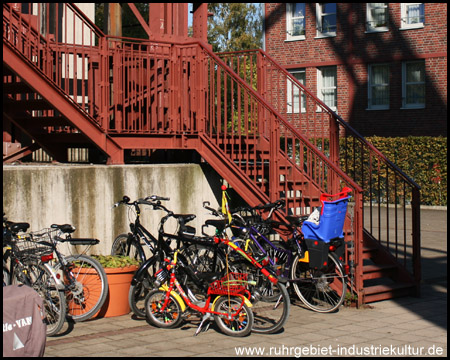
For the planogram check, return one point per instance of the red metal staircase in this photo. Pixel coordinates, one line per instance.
(128, 94)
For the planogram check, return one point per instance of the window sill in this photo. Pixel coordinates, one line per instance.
(299, 38)
(412, 107)
(324, 36)
(377, 109)
(374, 31)
(412, 27)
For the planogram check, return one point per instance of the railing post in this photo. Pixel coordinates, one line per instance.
(415, 208)
(358, 242)
(274, 176)
(334, 153)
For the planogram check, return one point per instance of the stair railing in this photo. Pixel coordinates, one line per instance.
(391, 198)
(68, 61)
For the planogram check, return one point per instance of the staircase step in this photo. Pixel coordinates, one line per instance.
(378, 271)
(369, 251)
(41, 121)
(22, 105)
(16, 88)
(388, 291)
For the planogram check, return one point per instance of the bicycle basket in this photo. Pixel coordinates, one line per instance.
(27, 248)
(231, 283)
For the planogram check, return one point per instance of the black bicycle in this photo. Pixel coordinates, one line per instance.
(139, 239)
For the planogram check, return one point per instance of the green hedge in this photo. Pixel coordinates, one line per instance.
(423, 159)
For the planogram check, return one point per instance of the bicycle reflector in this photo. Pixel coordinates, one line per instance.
(347, 269)
(332, 247)
(46, 258)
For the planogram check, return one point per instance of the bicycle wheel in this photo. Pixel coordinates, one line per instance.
(54, 300)
(87, 294)
(320, 290)
(170, 317)
(138, 291)
(242, 324)
(120, 247)
(271, 303)
(6, 278)
(201, 257)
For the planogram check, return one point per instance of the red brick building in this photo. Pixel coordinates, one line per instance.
(381, 66)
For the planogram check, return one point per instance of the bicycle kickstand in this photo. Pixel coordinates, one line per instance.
(207, 316)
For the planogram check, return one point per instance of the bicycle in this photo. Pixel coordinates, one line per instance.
(84, 279)
(313, 267)
(143, 279)
(270, 298)
(29, 263)
(224, 301)
(131, 244)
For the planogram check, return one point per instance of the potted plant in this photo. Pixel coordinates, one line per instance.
(119, 270)
(351, 299)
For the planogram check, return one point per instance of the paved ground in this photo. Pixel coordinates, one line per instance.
(406, 326)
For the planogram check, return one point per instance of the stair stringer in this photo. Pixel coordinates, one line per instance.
(75, 116)
(403, 282)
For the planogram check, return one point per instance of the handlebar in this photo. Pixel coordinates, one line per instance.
(155, 201)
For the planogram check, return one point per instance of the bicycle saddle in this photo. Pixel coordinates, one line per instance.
(17, 227)
(219, 224)
(209, 277)
(65, 228)
(186, 217)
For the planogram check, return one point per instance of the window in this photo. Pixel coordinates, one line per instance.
(295, 21)
(327, 86)
(295, 101)
(378, 98)
(413, 15)
(413, 84)
(326, 19)
(377, 17)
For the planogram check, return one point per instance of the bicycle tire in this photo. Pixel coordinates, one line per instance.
(90, 290)
(54, 300)
(242, 324)
(6, 277)
(139, 291)
(120, 247)
(320, 290)
(270, 302)
(170, 318)
(201, 257)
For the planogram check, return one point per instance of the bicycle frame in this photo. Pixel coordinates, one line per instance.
(174, 284)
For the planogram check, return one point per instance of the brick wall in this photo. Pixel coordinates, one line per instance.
(352, 49)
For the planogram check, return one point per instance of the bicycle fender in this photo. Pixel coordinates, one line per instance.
(175, 295)
(246, 301)
(59, 284)
(139, 274)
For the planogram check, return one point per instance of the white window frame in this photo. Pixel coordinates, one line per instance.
(319, 22)
(371, 84)
(289, 23)
(321, 88)
(370, 20)
(404, 17)
(405, 84)
(299, 106)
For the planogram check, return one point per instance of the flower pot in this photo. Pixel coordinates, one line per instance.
(116, 303)
(91, 291)
(119, 282)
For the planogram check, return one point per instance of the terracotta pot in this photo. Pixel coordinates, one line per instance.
(116, 303)
(119, 282)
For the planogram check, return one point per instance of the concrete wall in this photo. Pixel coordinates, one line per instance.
(83, 195)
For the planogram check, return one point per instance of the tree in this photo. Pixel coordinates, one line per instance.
(235, 26)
